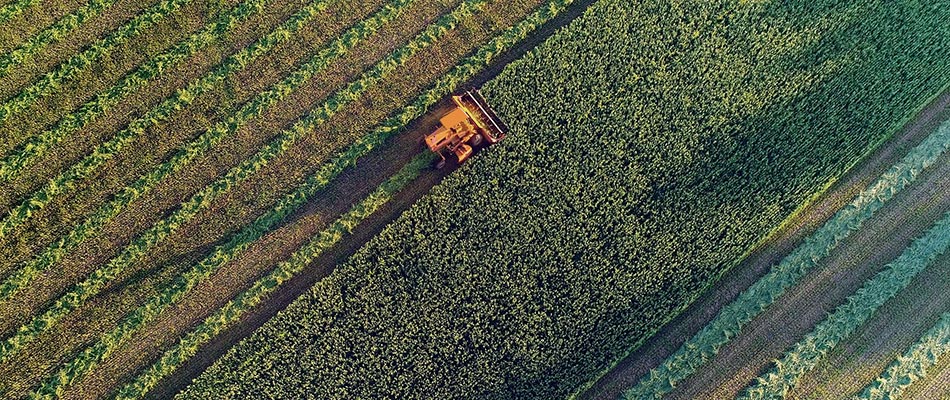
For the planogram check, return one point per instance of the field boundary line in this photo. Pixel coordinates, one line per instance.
(37, 145)
(771, 235)
(896, 275)
(93, 223)
(96, 281)
(912, 365)
(54, 33)
(188, 345)
(56, 384)
(729, 321)
(286, 269)
(14, 9)
(69, 68)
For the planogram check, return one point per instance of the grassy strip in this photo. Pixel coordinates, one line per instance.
(94, 223)
(55, 385)
(248, 299)
(16, 8)
(911, 366)
(201, 200)
(706, 343)
(66, 70)
(225, 317)
(243, 239)
(36, 146)
(802, 357)
(55, 32)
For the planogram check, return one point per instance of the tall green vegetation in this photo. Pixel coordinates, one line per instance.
(201, 200)
(912, 365)
(213, 135)
(85, 361)
(706, 343)
(263, 287)
(231, 313)
(652, 144)
(804, 355)
(92, 54)
(52, 34)
(36, 146)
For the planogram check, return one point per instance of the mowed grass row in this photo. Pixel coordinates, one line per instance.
(804, 355)
(52, 80)
(187, 210)
(14, 9)
(913, 365)
(53, 33)
(189, 151)
(37, 145)
(292, 201)
(423, 67)
(263, 287)
(153, 272)
(753, 301)
(90, 357)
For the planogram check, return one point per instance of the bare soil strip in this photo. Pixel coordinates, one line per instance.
(935, 386)
(29, 22)
(859, 257)
(60, 216)
(380, 163)
(696, 316)
(894, 327)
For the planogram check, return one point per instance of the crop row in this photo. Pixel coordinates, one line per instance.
(603, 210)
(449, 82)
(912, 365)
(55, 32)
(804, 355)
(243, 239)
(37, 145)
(203, 198)
(706, 343)
(263, 287)
(188, 152)
(92, 54)
(15, 8)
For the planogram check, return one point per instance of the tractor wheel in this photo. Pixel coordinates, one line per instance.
(475, 140)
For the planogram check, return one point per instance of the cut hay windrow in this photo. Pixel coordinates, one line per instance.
(94, 223)
(201, 200)
(92, 54)
(804, 355)
(14, 9)
(36, 146)
(753, 301)
(912, 366)
(53, 33)
(82, 364)
(232, 312)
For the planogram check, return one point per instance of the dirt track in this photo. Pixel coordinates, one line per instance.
(891, 330)
(673, 334)
(373, 167)
(839, 275)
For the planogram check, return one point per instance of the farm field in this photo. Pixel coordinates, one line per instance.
(131, 263)
(231, 199)
(653, 352)
(835, 277)
(552, 291)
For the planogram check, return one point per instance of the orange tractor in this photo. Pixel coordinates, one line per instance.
(471, 123)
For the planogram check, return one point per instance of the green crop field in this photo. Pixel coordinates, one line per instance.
(232, 199)
(642, 165)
